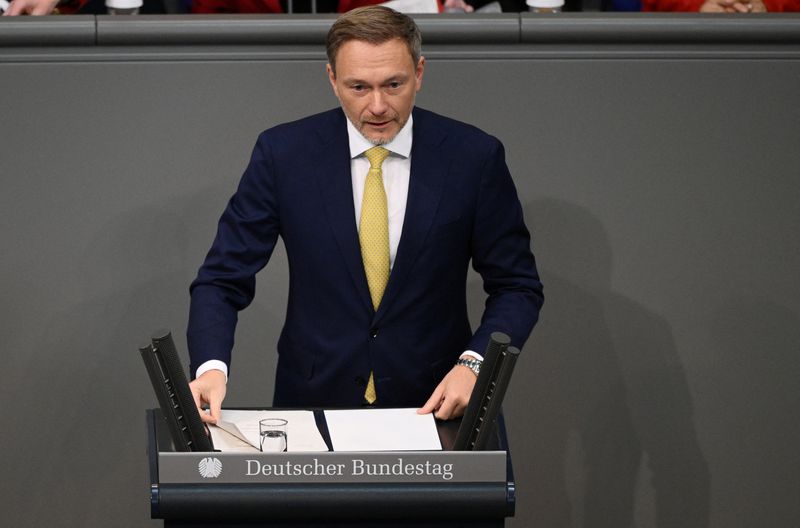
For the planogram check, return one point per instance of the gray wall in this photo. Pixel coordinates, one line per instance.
(657, 162)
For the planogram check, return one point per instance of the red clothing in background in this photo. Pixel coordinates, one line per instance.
(236, 6)
(70, 7)
(773, 6)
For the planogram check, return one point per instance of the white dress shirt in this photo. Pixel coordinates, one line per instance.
(396, 172)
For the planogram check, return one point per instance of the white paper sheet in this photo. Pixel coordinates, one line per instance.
(227, 443)
(302, 433)
(413, 6)
(382, 430)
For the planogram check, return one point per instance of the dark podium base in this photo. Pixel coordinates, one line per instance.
(494, 523)
(336, 505)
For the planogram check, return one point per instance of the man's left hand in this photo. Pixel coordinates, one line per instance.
(451, 396)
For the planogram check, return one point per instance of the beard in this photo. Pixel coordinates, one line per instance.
(378, 141)
(363, 127)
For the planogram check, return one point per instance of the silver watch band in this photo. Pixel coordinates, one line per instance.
(473, 364)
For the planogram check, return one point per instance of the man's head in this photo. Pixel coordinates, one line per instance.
(375, 69)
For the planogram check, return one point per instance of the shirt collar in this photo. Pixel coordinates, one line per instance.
(400, 145)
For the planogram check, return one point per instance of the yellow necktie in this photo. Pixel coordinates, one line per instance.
(373, 234)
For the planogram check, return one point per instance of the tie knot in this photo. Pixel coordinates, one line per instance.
(376, 155)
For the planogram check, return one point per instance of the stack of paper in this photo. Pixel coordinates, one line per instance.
(382, 430)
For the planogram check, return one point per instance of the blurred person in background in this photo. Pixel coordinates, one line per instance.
(722, 6)
(75, 7)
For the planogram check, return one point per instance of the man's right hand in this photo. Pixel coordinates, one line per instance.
(209, 389)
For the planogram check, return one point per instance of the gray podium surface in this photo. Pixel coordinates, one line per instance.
(657, 161)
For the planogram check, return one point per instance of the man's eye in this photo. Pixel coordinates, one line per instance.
(358, 87)
(394, 85)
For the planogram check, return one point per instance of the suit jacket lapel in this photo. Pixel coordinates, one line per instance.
(335, 185)
(428, 174)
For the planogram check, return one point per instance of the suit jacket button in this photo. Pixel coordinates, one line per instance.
(373, 332)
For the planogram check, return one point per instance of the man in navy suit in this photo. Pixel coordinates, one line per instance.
(350, 338)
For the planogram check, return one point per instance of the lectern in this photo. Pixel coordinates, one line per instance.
(227, 489)
(469, 483)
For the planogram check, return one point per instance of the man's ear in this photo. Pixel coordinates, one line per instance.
(418, 73)
(332, 79)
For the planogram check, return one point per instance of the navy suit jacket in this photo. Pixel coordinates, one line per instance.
(462, 206)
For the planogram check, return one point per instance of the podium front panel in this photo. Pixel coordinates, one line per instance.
(439, 487)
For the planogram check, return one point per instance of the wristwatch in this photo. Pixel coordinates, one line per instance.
(473, 364)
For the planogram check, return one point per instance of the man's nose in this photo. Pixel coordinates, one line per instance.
(377, 103)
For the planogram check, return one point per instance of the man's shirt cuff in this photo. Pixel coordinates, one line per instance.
(468, 353)
(212, 364)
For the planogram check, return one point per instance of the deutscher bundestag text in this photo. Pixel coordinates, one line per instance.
(357, 468)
